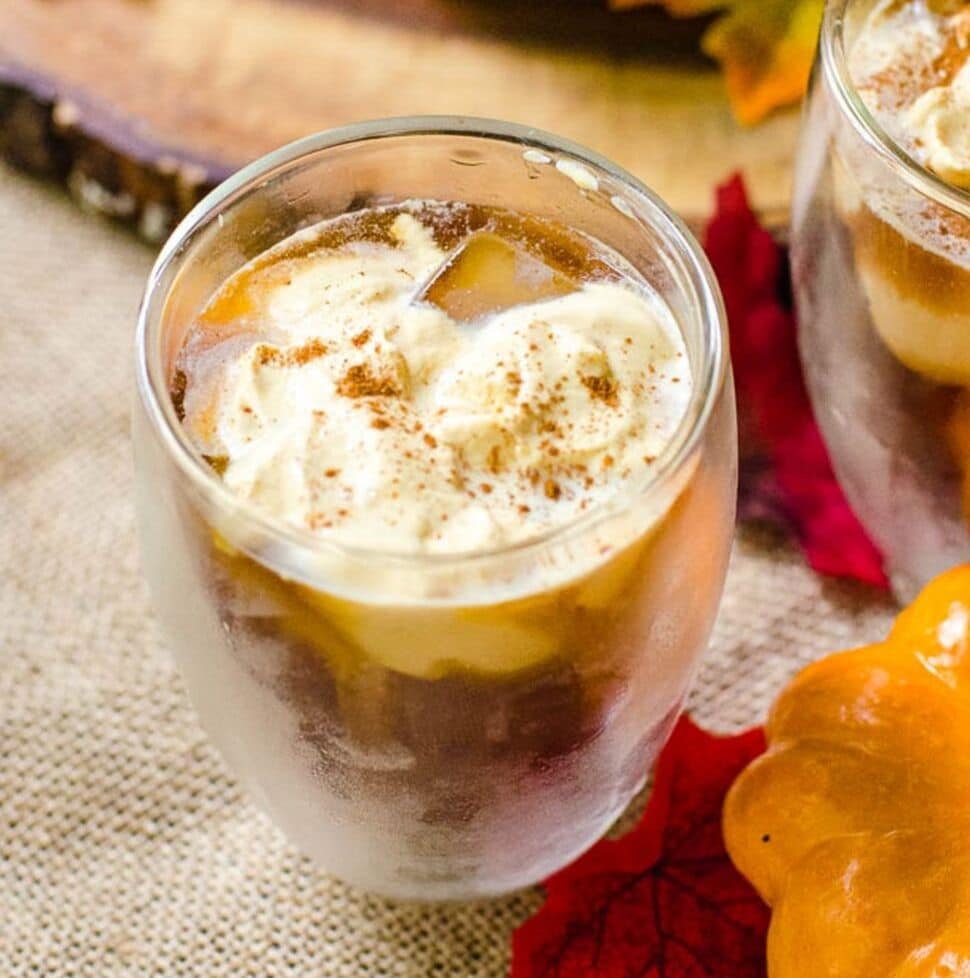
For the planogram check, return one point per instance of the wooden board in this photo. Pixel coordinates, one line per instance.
(141, 105)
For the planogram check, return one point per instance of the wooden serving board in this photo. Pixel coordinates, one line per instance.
(140, 105)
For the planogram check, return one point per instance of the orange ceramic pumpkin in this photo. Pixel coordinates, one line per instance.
(855, 826)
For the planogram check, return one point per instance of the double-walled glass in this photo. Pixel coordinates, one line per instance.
(880, 252)
(438, 726)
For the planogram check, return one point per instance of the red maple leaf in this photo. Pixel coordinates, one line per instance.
(790, 473)
(664, 901)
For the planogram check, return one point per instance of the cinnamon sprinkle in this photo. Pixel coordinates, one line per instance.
(360, 381)
(601, 389)
(954, 55)
(298, 356)
(361, 338)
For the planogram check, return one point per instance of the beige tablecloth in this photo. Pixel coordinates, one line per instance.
(126, 848)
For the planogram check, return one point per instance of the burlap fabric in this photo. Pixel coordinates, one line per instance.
(126, 848)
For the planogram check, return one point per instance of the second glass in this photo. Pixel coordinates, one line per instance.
(879, 255)
(438, 726)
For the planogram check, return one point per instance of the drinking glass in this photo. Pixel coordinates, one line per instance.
(445, 726)
(880, 261)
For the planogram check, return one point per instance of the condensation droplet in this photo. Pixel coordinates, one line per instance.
(582, 176)
(621, 205)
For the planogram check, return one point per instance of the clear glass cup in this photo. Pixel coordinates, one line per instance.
(438, 727)
(882, 282)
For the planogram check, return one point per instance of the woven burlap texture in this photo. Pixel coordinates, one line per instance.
(126, 847)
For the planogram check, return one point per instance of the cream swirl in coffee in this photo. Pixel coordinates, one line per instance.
(337, 400)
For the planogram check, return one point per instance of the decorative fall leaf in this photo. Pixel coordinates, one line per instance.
(664, 901)
(765, 47)
(781, 445)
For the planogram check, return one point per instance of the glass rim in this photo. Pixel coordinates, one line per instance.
(834, 62)
(706, 305)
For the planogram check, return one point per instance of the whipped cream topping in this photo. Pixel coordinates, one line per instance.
(940, 120)
(359, 413)
(910, 65)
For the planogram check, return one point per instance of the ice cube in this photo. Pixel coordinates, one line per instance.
(487, 274)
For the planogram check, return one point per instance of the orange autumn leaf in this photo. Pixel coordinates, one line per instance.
(765, 47)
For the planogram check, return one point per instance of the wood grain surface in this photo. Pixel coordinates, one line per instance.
(141, 105)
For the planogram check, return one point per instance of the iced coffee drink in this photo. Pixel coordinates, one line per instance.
(882, 262)
(459, 590)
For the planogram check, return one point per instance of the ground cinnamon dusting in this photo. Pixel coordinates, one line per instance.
(601, 389)
(361, 338)
(297, 357)
(360, 381)
(955, 52)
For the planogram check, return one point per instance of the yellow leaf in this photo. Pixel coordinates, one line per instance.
(765, 47)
